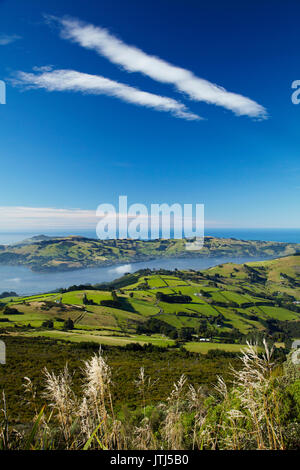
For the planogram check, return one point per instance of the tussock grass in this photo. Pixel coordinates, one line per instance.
(260, 410)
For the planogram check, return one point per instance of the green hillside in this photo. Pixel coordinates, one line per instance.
(63, 253)
(220, 307)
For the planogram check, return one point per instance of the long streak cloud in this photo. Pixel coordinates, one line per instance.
(72, 80)
(133, 59)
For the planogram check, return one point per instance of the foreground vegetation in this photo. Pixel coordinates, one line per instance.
(29, 356)
(44, 253)
(260, 410)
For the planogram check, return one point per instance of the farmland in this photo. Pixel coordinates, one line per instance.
(219, 308)
(169, 322)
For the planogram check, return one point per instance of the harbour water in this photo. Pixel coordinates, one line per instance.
(25, 282)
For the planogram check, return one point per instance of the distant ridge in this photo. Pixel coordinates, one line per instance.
(45, 253)
(35, 238)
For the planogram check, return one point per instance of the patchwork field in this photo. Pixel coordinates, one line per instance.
(224, 305)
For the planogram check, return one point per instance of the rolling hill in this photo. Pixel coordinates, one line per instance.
(66, 253)
(220, 307)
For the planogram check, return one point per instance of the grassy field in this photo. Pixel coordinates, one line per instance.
(219, 301)
(205, 347)
(79, 336)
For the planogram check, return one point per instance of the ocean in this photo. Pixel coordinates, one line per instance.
(273, 235)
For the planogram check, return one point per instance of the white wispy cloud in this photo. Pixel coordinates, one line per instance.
(19, 217)
(8, 39)
(133, 59)
(72, 80)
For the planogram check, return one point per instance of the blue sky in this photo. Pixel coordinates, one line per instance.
(79, 147)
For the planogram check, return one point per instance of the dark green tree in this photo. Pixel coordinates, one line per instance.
(69, 324)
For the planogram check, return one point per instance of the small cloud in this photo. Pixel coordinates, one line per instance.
(6, 39)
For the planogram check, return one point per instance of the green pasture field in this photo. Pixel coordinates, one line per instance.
(79, 336)
(205, 347)
(137, 304)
